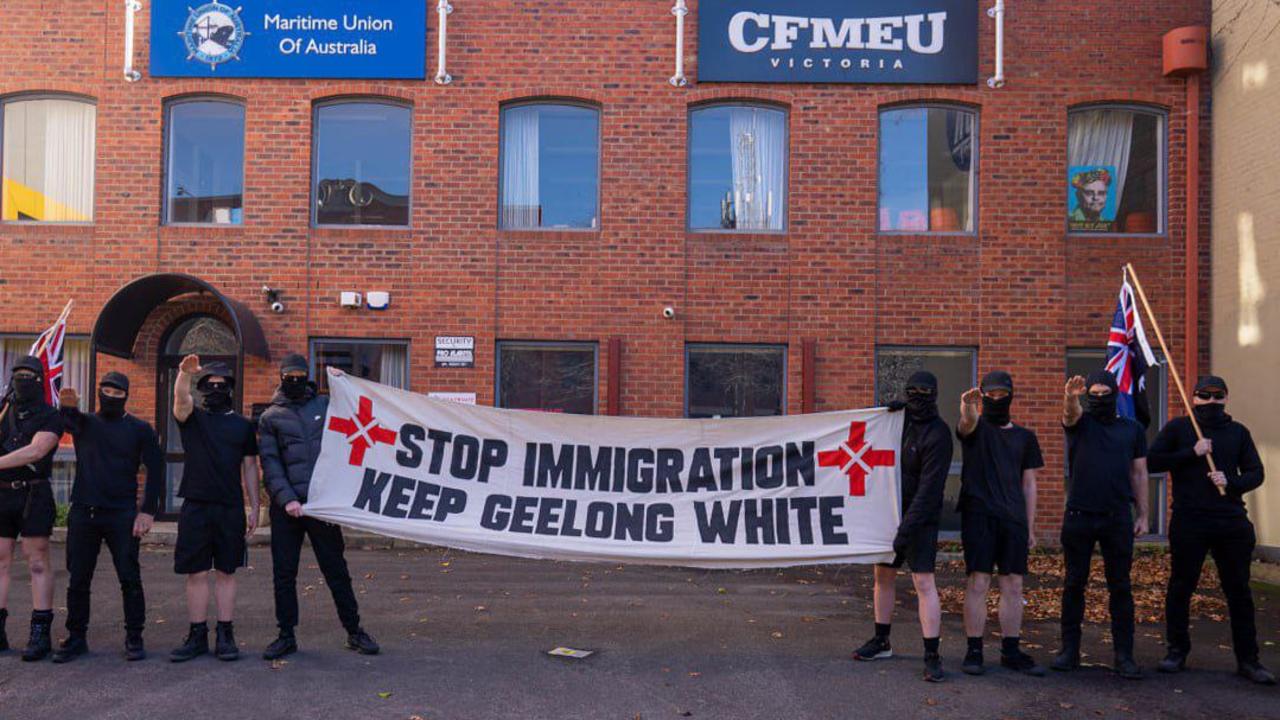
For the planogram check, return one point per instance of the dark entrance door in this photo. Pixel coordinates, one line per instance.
(211, 339)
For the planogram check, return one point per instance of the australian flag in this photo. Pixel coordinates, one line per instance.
(1128, 357)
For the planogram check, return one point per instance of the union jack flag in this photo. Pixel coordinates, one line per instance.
(1128, 358)
(48, 350)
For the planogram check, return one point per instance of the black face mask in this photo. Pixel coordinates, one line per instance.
(110, 407)
(294, 388)
(27, 390)
(997, 411)
(1102, 407)
(1211, 415)
(217, 401)
(922, 407)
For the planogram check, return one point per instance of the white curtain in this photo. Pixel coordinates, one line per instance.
(520, 165)
(757, 141)
(394, 370)
(1101, 137)
(961, 146)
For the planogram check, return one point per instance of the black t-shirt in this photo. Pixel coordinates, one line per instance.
(991, 477)
(215, 445)
(19, 428)
(1100, 456)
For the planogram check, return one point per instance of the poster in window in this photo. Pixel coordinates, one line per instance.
(1091, 198)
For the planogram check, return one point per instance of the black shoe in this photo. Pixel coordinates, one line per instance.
(226, 649)
(933, 667)
(70, 649)
(1126, 668)
(1068, 659)
(286, 644)
(196, 644)
(361, 642)
(972, 663)
(1253, 670)
(4, 637)
(134, 649)
(39, 645)
(1021, 662)
(1174, 661)
(877, 648)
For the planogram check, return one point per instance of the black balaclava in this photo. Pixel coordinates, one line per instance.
(28, 391)
(996, 412)
(1102, 408)
(294, 388)
(109, 407)
(922, 397)
(216, 401)
(1211, 414)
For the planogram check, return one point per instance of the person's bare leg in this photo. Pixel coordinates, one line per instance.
(198, 597)
(1011, 605)
(884, 593)
(224, 589)
(36, 550)
(930, 608)
(975, 604)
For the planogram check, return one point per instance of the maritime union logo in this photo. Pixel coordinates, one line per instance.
(213, 33)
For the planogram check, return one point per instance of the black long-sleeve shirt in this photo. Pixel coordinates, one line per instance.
(109, 453)
(1193, 492)
(926, 462)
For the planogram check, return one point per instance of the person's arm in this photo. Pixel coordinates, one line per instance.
(1029, 492)
(182, 402)
(926, 505)
(41, 444)
(273, 473)
(1138, 478)
(1167, 453)
(970, 405)
(1251, 473)
(1071, 409)
(69, 409)
(249, 476)
(153, 491)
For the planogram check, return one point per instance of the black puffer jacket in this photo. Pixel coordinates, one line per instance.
(289, 435)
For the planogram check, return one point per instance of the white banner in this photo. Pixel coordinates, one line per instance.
(740, 493)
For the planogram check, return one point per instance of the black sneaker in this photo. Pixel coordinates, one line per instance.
(1021, 662)
(1175, 661)
(933, 668)
(877, 648)
(196, 644)
(70, 649)
(134, 649)
(226, 649)
(1126, 668)
(361, 642)
(972, 663)
(1253, 670)
(286, 644)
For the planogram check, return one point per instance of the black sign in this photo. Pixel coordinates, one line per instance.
(838, 41)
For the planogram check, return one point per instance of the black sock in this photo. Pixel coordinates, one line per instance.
(200, 627)
(224, 623)
(931, 645)
(882, 630)
(1009, 645)
(975, 644)
(41, 616)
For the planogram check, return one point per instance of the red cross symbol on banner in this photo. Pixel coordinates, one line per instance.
(856, 458)
(362, 431)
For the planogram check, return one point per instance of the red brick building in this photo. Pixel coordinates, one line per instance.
(829, 289)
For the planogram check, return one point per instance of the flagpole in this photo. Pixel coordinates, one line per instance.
(1173, 369)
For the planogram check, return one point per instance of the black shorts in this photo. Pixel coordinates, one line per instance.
(210, 535)
(38, 520)
(921, 553)
(993, 545)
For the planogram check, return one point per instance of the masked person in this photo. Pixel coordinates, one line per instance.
(926, 460)
(289, 434)
(221, 470)
(997, 515)
(1108, 487)
(1209, 517)
(111, 446)
(29, 434)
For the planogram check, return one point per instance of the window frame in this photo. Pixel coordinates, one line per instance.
(592, 345)
(691, 110)
(976, 162)
(316, 107)
(553, 101)
(5, 100)
(1162, 168)
(783, 348)
(312, 341)
(166, 146)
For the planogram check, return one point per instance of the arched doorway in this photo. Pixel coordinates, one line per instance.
(211, 339)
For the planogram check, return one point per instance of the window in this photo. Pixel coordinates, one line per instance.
(737, 168)
(928, 169)
(550, 167)
(47, 159)
(204, 162)
(1115, 171)
(361, 163)
(382, 361)
(1084, 361)
(547, 376)
(956, 371)
(726, 381)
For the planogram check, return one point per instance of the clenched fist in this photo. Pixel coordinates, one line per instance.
(972, 396)
(67, 397)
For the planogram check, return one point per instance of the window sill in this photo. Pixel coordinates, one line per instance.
(733, 233)
(1113, 236)
(203, 226)
(927, 233)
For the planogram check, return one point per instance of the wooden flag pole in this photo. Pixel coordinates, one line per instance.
(1173, 368)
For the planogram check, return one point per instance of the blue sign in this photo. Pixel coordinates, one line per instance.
(289, 39)
(838, 41)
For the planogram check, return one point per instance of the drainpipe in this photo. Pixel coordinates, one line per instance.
(131, 7)
(443, 10)
(997, 12)
(679, 10)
